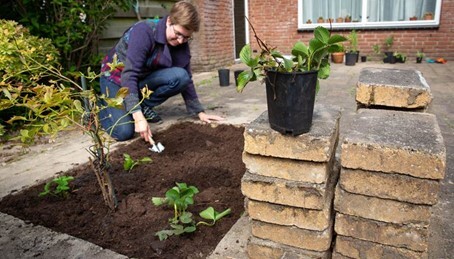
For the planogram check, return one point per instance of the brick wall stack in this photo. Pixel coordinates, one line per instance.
(289, 187)
(391, 166)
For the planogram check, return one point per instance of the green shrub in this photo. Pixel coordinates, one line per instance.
(73, 26)
(19, 72)
(16, 41)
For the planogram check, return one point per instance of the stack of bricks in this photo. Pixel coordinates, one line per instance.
(289, 187)
(391, 166)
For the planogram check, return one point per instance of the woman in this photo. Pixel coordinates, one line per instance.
(157, 56)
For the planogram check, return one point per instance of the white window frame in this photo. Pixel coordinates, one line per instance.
(363, 23)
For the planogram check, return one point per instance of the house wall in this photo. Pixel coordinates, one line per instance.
(213, 46)
(276, 23)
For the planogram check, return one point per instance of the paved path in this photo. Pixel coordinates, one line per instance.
(22, 168)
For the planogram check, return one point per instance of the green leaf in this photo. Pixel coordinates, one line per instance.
(243, 79)
(122, 93)
(336, 38)
(186, 217)
(128, 162)
(246, 56)
(190, 229)
(300, 49)
(208, 213)
(157, 201)
(321, 34)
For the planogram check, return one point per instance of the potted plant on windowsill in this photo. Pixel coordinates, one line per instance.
(320, 19)
(428, 16)
(351, 56)
(291, 82)
(348, 18)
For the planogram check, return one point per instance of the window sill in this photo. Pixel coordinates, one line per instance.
(418, 24)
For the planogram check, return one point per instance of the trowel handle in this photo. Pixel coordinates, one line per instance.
(151, 140)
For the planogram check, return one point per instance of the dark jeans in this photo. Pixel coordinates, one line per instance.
(164, 83)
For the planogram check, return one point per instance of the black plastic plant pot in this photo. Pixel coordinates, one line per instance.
(363, 58)
(389, 57)
(350, 58)
(290, 98)
(418, 60)
(224, 77)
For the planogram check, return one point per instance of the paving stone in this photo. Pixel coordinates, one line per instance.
(317, 145)
(400, 88)
(293, 236)
(390, 186)
(317, 220)
(349, 247)
(261, 249)
(284, 192)
(395, 142)
(402, 236)
(289, 169)
(381, 209)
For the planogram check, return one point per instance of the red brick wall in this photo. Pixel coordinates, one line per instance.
(213, 46)
(276, 23)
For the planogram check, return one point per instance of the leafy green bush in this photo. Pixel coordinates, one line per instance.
(16, 41)
(17, 72)
(73, 26)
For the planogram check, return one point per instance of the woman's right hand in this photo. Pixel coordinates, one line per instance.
(141, 126)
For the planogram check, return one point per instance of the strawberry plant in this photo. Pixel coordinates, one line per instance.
(130, 163)
(61, 184)
(180, 197)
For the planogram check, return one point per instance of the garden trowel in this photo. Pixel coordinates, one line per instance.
(156, 147)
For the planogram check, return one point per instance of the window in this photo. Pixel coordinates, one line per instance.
(369, 13)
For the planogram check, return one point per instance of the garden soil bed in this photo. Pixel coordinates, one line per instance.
(200, 155)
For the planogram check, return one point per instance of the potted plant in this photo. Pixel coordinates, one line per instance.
(291, 82)
(320, 19)
(309, 21)
(419, 56)
(338, 57)
(428, 16)
(400, 57)
(389, 55)
(348, 18)
(413, 18)
(351, 57)
(339, 19)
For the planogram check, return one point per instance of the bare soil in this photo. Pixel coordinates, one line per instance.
(200, 155)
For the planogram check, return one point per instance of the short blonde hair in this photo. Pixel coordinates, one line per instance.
(185, 14)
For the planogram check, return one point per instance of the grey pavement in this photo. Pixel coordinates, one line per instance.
(21, 240)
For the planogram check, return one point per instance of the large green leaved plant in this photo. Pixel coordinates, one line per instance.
(313, 56)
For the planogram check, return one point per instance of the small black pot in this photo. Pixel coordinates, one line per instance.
(224, 77)
(350, 58)
(418, 59)
(363, 58)
(389, 58)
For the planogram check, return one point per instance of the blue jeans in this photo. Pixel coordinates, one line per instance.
(164, 83)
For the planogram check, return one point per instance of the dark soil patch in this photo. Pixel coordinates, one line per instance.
(200, 155)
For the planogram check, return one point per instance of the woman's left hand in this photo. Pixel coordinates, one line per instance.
(209, 118)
